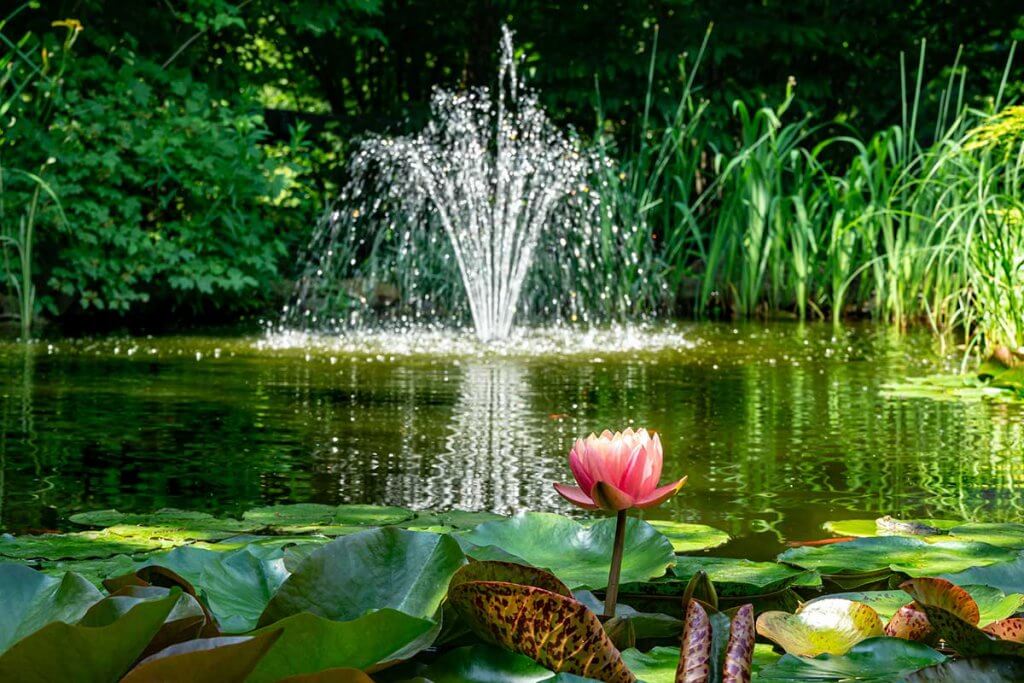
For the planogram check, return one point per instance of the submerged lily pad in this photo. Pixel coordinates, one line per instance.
(911, 556)
(687, 538)
(828, 626)
(735, 577)
(576, 553)
(32, 600)
(993, 604)
(387, 567)
(874, 659)
(330, 520)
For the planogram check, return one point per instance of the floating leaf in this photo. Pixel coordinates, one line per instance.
(81, 545)
(169, 523)
(578, 554)
(63, 652)
(327, 519)
(735, 578)
(993, 669)
(951, 616)
(509, 572)
(1002, 534)
(687, 538)
(206, 660)
(490, 664)
(445, 522)
(1005, 576)
(874, 659)
(387, 567)
(993, 605)
(310, 643)
(911, 556)
(927, 529)
(95, 571)
(557, 632)
(829, 626)
(31, 600)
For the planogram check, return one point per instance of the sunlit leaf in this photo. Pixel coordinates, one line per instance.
(687, 538)
(737, 578)
(829, 626)
(911, 556)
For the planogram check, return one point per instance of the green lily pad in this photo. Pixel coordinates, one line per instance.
(686, 538)
(1002, 534)
(658, 665)
(236, 586)
(993, 604)
(445, 522)
(174, 523)
(948, 388)
(993, 669)
(490, 664)
(82, 545)
(911, 556)
(867, 528)
(93, 571)
(386, 567)
(86, 654)
(1006, 576)
(31, 600)
(733, 577)
(576, 553)
(828, 626)
(206, 660)
(309, 643)
(330, 520)
(876, 659)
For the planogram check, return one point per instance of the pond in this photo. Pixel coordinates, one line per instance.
(779, 427)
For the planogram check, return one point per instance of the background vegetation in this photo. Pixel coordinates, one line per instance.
(168, 160)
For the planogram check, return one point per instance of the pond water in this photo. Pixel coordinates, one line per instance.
(779, 427)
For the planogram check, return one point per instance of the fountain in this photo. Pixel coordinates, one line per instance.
(491, 174)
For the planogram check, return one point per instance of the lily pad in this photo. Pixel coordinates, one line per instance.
(911, 556)
(490, 664)
(577, 554)
(387, 567)
(992, 669)
(557, 632)
(734, 577)
(949, 388)
(829, 626)
(509, 572)
(1002, 534)
(235, 586)
(445, 522)
(80, 545)
(330, 520)
(1006, 576)
(94, 571)
(206, 660)
(84, 654)
(309, 643)
(993, 604)
(874, 659)
(171, 522)
(31, 600)
(687, 538)
(866, 528)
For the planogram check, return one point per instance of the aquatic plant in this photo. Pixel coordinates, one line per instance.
(617, 472)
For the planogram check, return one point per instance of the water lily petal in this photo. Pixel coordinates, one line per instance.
(660, 495)
(576, 496)
(610, 497)
(579, 467)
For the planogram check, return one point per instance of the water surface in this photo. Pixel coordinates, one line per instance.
(779, 427)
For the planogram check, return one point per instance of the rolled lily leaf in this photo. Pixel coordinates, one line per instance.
(695, 652)
(739, 653)
(558, 632)
(85, 654)
(509, 572)
(909, 623)
(30, 600)
(700, 588)
(953, 617)
(206, 660)
(1007, 629)
(830, 626)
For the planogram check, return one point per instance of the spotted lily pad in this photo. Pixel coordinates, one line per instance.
(829, 626)
(578, 554)
(687, 538)
(992, 603)
(874, 659)
(330, 520)
(911, 556)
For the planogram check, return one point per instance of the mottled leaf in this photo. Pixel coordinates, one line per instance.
(695, 651)
(558, 632)
(829, 626)
(739, 654)
(909, 623)
(509, 572)
(1007, 629)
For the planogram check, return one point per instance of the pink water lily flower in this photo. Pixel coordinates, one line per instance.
(617, 472)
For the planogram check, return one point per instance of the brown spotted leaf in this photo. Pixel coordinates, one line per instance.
(909, 623)
(964, 637)
(739, 653)
(946, 595)
(554, 630)
(509, 572)
(695, 653)
(1007, 629)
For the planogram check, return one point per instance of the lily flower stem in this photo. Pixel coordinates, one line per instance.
(612, 594)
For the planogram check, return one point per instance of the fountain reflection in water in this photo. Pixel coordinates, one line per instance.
(496, 180)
